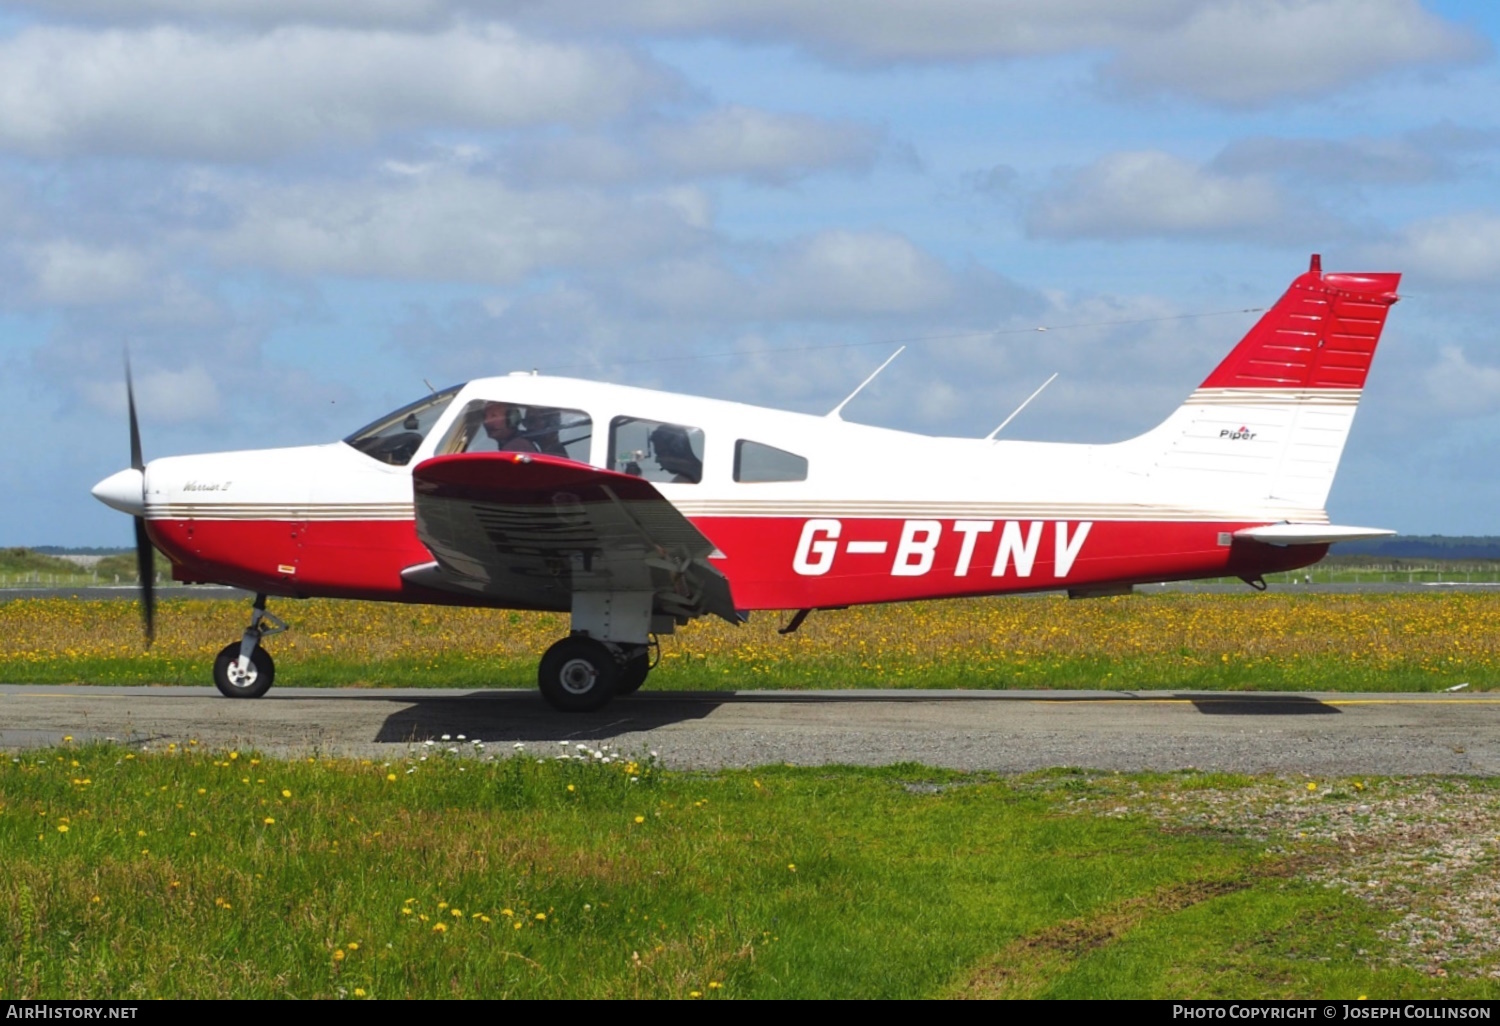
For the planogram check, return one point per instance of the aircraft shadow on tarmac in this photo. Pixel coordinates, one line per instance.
(1261, 705)
(494, 717)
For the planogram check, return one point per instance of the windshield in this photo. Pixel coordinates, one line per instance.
(395, 438)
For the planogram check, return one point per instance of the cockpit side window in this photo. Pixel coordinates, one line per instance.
(490, 425)
(757, 462)
(395, 438)
(656, 451)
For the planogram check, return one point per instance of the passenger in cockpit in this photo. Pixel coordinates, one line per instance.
(502, 422)
(674, 454)
(542, 427)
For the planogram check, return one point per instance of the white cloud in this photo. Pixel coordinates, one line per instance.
(1250, 52)
(171, 396)
(759, 144)
(1396, 160)
(258, 12)
(1462, 388)
(1235, 52)
(1153, 194)
(70, 273)
(234, 95)
(447, 225)
(1458, 249)
(844, 273)
(829, 275)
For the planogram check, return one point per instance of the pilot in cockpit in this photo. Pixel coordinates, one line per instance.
(502, 422)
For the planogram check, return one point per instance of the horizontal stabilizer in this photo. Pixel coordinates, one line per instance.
(1310, 534)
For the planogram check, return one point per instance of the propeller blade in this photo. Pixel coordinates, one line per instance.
(136, 461)
(145, 566)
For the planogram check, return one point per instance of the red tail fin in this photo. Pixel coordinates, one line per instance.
(1321, 334)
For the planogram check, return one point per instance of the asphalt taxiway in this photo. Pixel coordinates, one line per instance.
(1005, 731)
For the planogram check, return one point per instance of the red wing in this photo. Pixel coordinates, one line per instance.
(532, 529)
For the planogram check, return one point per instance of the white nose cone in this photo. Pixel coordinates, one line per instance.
(125, 491)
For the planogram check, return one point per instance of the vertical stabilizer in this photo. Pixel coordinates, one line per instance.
(1268, 426)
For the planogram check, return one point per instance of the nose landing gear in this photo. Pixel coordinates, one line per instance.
(243, 669)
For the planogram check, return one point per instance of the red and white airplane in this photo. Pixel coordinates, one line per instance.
(637, 511)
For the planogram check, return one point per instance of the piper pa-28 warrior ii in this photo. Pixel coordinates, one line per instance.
(637, 511)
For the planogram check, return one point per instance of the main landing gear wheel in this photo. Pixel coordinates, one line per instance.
(578, 674)
(252, 682)
(633, 673)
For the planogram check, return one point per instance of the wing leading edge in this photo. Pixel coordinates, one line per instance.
(533, 530)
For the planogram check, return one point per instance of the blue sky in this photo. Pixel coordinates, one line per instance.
(294, 213)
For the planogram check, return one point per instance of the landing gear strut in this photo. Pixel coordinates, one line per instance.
(243, 669)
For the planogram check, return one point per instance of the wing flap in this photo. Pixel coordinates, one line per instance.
(532, 529)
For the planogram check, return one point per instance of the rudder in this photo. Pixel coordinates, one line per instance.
(1267, 427)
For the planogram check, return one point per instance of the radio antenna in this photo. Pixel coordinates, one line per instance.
(834, 413)
(991, 436)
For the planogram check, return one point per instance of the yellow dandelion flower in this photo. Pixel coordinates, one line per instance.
(694, 994)
(439, 927)
(338, 956)
(285, 793)
(359, 992)
(442, 905)
(95, 900)
(714, 985)
(571, 787)
(234, 755)
(203, 790)
(390, 777)
(268, 821)
(541, 917)
(406, 911)
(507, 912)
(62, 828)
(456, 913)
(484, 919)
(517, 924)
(792, 866)
(67, 737)
(1312, 787)
(353, 945)
(640, 819)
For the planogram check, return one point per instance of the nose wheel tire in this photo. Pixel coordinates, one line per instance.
(578, 674)
(253, 682)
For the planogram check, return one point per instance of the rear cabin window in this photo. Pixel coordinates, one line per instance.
(758, 463)
(395, 438)
(487, 425)
(655, 450)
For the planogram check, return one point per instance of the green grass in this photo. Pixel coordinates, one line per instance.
(700, 673)
(1412, 641)
(193, 875)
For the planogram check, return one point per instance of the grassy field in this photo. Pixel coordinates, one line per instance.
(1360, 642)
(183, 873)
